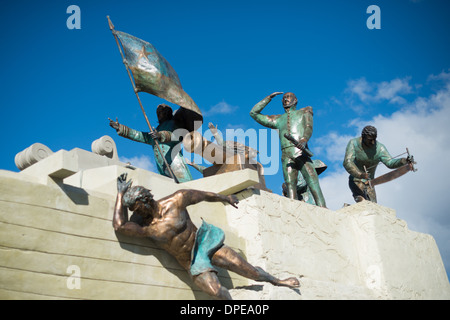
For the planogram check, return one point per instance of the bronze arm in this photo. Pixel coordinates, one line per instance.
(120, 216)
(189, 197)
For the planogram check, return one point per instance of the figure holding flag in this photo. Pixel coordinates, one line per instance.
(163, 134)
(150, 72)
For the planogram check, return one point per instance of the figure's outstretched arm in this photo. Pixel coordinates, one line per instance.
(163, 136)
(267, 121)
(132, 134)
(189, 197)
(216, 134)
(391, 163)
(120, 217)
(198, 167)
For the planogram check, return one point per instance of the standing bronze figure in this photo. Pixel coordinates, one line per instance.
(167, 222)
(362, 157)
(295, 129)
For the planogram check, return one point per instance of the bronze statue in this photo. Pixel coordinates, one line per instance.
(150, 72)
(295, 129)
(163, 132)
(167, 222)
(225, 156)
(303, 191)
(362, 157)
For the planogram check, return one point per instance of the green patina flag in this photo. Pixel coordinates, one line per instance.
(153, 74)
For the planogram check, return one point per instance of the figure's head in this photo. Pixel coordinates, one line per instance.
(138, 197)
(289, 101)
(369, 136)
(164, 113)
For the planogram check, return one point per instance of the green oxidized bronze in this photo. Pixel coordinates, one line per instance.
(303, 191)
(295, 128)
(153, 74)
(166, 126)
(362, 156)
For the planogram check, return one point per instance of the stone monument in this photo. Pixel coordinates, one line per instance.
(56, 240)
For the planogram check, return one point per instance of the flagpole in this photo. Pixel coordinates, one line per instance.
(111, 27)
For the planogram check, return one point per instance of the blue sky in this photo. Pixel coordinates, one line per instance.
(59, 86)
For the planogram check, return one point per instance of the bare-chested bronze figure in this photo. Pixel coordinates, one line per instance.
(167, 222)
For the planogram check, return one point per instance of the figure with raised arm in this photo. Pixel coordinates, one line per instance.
(295, 128)
(171, 149)
(199, 251)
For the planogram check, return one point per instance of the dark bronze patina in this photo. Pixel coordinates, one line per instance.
(168, 223)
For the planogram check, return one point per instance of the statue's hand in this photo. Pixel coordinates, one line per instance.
(410, 159)
(364, 175)
(275, 94)
(233, 200)
(122, 184)
(155, 135)
(114, 124)
(411, 162)
(211, 126)
(302, 142)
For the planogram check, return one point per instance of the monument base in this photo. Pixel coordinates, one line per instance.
(57, 240)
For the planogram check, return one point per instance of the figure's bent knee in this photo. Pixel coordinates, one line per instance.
(210, 284)
(220, 292)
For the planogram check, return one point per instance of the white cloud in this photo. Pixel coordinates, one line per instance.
(419, 198)
(221, 108)
(369, 92)
(142, 162)
(361, 88)
(332, 145)
(335, 189)
(445, 76)
(391, 90)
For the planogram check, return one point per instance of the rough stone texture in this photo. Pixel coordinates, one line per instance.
(359, 252)
(57, 214)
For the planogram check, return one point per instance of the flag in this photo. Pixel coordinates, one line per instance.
(153, 74)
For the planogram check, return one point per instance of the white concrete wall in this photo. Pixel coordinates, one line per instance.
(57, 213)
(47, 228)
(359, 252)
